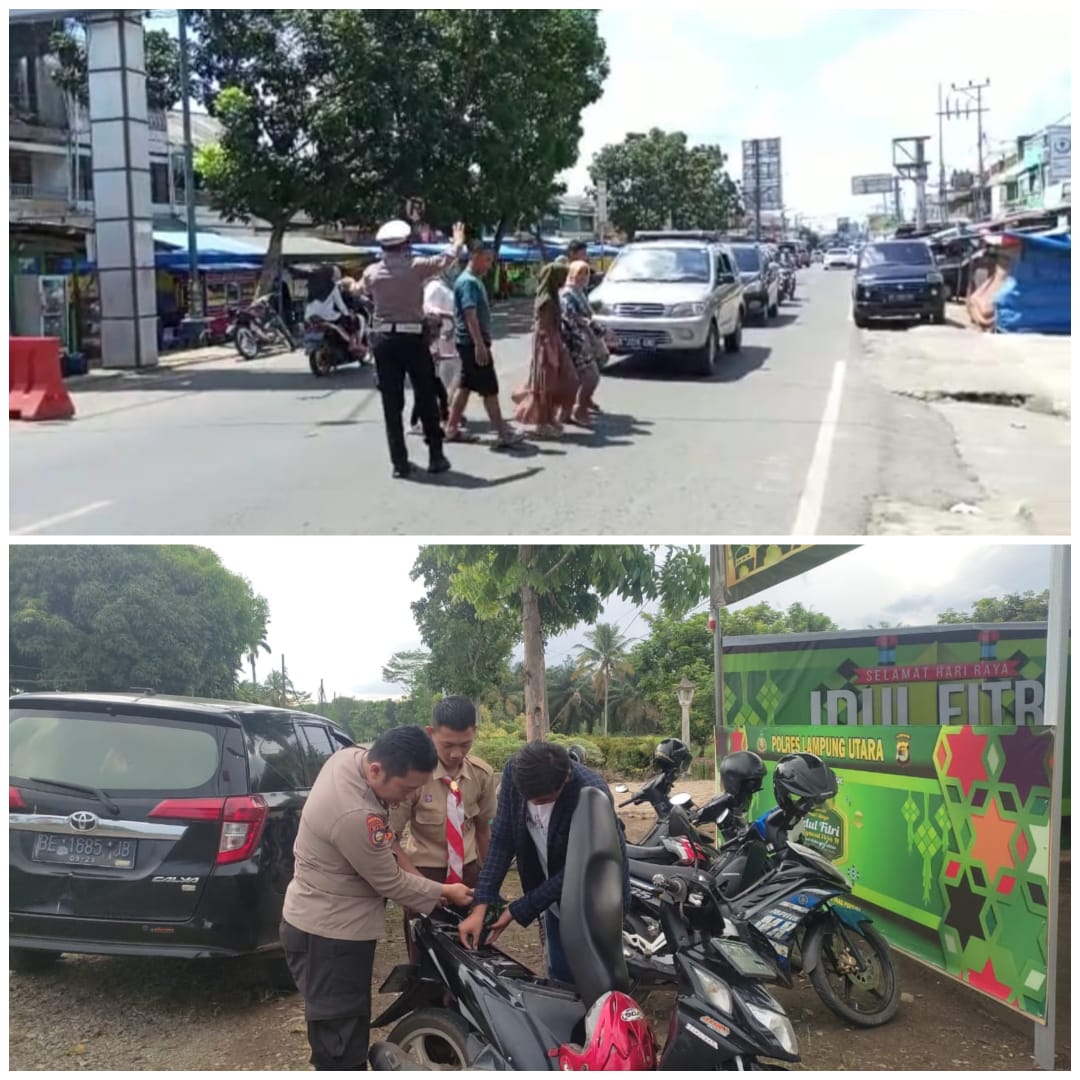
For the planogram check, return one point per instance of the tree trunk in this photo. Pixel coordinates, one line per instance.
(540, 240)
(495, 275)
(272, 262)
(536, 723)
(605, 704)
(254, 681)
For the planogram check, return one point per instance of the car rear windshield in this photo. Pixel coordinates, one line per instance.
(839, 251)
(658, 263)
(116, 753)
(747, 258)
(913, 253)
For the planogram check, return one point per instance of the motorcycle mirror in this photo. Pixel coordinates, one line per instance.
(622, 789)
(681, 799)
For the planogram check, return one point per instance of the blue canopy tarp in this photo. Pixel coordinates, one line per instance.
(216, 252)
(1035, 298)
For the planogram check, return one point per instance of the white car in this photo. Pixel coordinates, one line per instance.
(839, 256)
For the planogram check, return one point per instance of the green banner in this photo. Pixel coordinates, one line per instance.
(740, 570)
(944, 834)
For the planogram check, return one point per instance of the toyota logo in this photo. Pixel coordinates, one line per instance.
(83, 821)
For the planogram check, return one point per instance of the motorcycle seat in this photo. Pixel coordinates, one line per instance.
(645, 871)
(650, 853)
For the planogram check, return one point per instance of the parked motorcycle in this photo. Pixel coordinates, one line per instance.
(219, 330)
(795, 896)
(482, 1009)
(259, 327)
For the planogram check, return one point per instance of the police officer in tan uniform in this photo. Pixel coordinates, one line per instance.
(399, 338)
(345, 871)
(442, 846)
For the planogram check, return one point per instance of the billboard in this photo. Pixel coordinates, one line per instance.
(942, 820)
(1059, 165)
(877, 184)
(762, 163)
(740, 570)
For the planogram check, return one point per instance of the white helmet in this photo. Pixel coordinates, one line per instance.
(393, 234)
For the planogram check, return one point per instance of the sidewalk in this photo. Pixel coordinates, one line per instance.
(1007, 401)
(180, 359)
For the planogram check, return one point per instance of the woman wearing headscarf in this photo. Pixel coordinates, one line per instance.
(580, 339)
(552, 384)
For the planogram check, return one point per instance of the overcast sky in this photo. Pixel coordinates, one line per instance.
(339, 607)
(835, 85)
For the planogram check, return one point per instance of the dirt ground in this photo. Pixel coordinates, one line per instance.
(115, 1013)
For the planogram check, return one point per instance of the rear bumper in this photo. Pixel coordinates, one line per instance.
(107, 937)
(871, 310)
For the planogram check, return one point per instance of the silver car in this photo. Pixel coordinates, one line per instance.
(673, 293)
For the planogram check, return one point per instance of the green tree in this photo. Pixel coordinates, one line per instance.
(517, 82)
(68, 45)
(409, 668)
(1012, 607)
(469, 653)
(656, 178)
(604, 660)
(285, 85)
(571, 699)
(97, 617)
(553, 588)
(763, 618)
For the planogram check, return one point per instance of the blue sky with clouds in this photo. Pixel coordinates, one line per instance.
(835, 85)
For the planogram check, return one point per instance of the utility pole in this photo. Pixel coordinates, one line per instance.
(322, 694)
(973, 93)
(195, 305)
(283, 682)
(943, 211)
(757, 190)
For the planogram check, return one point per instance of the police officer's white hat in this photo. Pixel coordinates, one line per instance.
(393, 233)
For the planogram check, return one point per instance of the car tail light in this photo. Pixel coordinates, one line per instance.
(15, 799)
(242, 819)
(242, 826)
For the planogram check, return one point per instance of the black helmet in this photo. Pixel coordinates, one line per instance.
(742, 774)
(577, 753)
(801, 782)
(672, 755)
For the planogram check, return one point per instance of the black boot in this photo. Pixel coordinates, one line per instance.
(438, 463)
(403, 470)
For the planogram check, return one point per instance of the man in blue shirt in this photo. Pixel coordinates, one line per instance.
(472, 335)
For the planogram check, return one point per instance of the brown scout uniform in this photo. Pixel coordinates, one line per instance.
(345, 866)
(425, 814)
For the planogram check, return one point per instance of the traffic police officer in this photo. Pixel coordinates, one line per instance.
(345, 871)
(399, 340)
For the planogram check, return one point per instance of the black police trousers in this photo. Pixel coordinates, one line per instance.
(398, 356)
(334, 979)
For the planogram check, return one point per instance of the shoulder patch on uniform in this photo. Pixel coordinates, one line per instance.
(379, 833)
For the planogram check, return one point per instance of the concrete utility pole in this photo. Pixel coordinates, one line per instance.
(757, 190)
(943, 210)
(973, 92)
(195, 305)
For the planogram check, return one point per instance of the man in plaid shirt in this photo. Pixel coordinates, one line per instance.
(537, 799)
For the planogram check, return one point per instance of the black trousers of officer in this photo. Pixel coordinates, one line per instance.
(334, 979)
(398, 356)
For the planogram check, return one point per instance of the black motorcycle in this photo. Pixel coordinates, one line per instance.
(329, 346)
(787, 283)
(258, 328)
(790, 892)
(482, 1009)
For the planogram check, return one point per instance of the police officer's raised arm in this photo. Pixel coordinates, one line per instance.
(428, 266)
(365, 839)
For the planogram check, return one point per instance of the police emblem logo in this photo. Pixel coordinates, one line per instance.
(903, 748)
(429, 798)
(379, 832)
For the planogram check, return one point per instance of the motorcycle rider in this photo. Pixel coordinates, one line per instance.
(399, 340)
(537, 798)
(326, 302)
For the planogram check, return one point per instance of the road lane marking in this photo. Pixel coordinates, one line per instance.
(60, 519)
(813, 497)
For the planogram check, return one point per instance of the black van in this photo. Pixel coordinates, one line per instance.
(146, 825)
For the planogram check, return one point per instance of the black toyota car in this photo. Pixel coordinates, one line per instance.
(897, 279)
(145, 825)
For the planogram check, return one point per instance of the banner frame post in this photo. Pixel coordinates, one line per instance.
(1057, 659)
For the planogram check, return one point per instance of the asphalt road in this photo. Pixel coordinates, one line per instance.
(791, 436)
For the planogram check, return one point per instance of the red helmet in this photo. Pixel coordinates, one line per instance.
(617, 1039)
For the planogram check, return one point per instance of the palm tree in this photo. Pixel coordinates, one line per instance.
(570, 699)
(253, 655)
(604, 659)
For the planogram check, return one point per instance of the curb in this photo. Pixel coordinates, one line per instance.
(77, 382)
